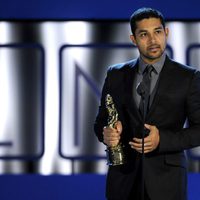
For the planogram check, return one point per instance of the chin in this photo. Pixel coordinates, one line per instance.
(155, 56)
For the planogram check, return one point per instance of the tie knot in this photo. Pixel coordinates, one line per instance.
(148, 70)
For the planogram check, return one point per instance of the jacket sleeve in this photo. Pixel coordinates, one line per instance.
(102, 116)
(187, 137)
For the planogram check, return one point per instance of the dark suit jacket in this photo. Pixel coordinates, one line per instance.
(177, 98)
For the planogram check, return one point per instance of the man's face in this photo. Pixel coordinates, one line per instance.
(150, 38)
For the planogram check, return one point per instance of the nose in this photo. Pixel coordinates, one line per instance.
(152, 38)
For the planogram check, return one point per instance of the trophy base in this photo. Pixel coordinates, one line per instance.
(115, 155)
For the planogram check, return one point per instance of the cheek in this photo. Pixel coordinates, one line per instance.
(163, 41)
(142, 48)
(141, 45)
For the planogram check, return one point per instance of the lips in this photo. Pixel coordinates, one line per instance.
(154, 47)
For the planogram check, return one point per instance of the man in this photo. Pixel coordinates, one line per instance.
(174, 96)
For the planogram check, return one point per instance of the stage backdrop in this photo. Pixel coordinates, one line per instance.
(90, 9)
(51, 75)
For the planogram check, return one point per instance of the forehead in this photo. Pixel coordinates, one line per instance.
(148, 24)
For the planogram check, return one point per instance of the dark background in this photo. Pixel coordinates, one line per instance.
(92, 9)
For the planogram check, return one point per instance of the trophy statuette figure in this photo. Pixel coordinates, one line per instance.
(115, 154)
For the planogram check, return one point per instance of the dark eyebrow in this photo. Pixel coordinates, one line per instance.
(158, 28)
(142, 31)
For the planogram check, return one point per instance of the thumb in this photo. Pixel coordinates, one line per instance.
(118, 126)
(148, 126)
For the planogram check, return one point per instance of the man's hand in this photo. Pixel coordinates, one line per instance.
(112, 135)
(151, 142)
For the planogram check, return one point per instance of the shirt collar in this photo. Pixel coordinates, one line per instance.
(157, 66)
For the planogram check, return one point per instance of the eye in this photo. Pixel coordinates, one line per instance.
(142, 35)
(158, 31)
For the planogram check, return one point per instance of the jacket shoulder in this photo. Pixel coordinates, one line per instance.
(183, 68)
(122, 66)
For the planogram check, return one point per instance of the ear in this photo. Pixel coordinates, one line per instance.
(166, 31)
(132, 37)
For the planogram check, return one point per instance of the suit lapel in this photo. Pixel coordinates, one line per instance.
(129, 100)
(162, 85)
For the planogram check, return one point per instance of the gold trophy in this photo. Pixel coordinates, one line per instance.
(115, 154)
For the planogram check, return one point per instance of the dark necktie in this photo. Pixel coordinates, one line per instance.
(145, 94)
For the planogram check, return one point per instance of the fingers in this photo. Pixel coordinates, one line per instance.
(111, 138)
(112, 135)
(137, 145)
(151, 142)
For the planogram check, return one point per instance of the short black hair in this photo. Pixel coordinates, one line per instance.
(145, 13)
